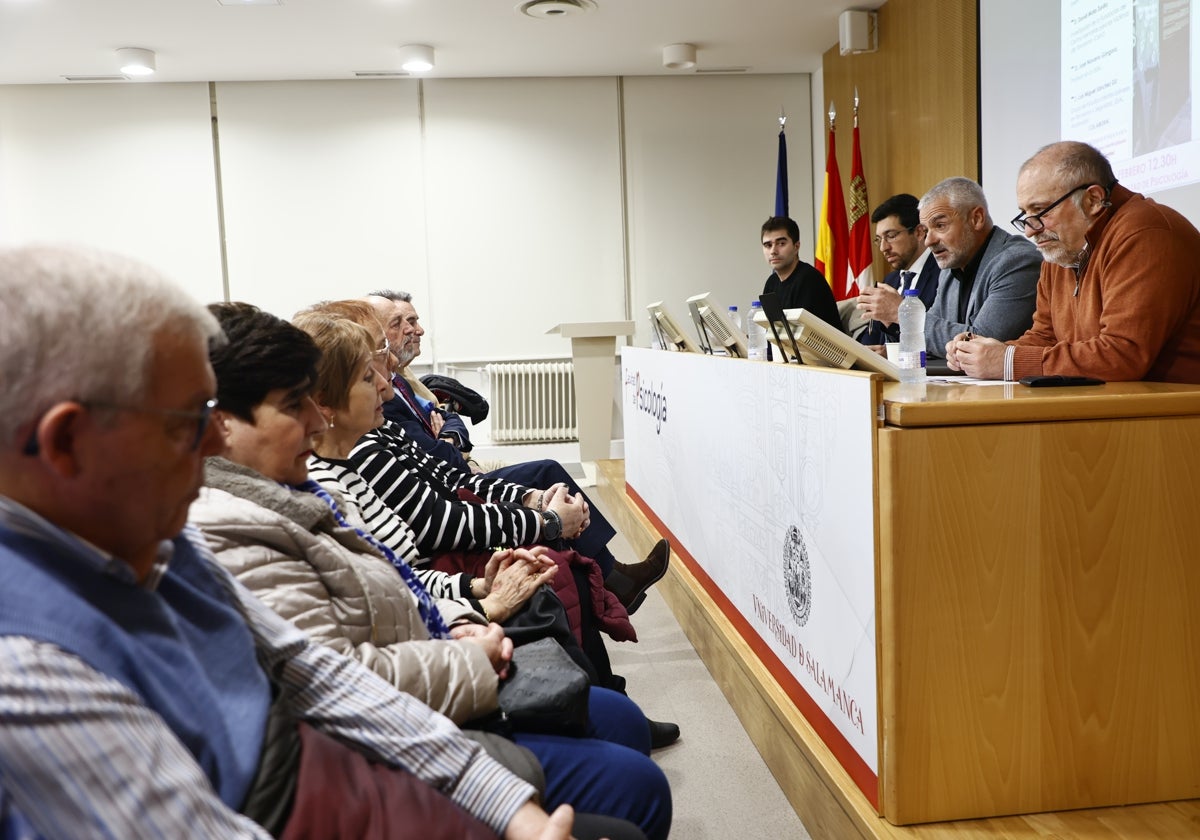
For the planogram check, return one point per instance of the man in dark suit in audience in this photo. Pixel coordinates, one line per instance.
(442, 434)
(988, 283)
(900, 237)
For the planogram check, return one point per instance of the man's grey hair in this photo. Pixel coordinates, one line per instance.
(963, 194)
(80, 324)
(400, 297)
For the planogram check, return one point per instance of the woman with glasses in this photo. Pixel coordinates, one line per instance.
(316, 564)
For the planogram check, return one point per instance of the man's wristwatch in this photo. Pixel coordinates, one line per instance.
(551, 525)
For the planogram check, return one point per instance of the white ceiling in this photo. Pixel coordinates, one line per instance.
(43, 41)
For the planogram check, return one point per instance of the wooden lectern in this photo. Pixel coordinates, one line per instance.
(594, 353)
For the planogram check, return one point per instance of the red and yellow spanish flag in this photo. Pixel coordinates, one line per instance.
(860, 224)
(833, 235)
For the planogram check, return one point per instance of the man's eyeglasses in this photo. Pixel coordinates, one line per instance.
(891, 236)
(201, 418)
(1034, 223)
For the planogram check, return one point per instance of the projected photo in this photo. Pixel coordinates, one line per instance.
(1127, 77)
(1162, 103)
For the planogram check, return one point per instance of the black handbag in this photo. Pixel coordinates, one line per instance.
(545, 691)
(457, 397)
(545, 617)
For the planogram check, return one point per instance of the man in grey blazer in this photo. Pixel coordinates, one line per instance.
(988, 283)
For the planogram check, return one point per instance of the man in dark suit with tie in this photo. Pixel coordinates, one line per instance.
(988, 283)
(440, 433)
(900, 237)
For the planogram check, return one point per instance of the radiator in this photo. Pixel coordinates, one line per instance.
(532, 402)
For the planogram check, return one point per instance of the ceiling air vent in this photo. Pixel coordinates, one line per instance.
(555, 8)
(109, 78)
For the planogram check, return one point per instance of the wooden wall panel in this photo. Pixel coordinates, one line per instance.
(1038, 646)
(918, 100)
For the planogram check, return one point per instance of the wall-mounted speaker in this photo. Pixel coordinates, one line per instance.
(857, 32)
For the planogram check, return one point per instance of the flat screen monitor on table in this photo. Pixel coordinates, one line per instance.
(818, 343)
(714, 327)
(670, 335)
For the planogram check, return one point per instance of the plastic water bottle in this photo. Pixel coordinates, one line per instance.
(736, 320)
(912, 337)
(756, 335)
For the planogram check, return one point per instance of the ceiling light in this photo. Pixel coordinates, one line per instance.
(135, 61)
(416, 58)
(679, 56)
(550, 9)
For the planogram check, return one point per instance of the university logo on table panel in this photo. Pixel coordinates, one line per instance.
(797, 578)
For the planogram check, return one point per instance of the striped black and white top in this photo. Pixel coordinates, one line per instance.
(423, 491)
(366, 510)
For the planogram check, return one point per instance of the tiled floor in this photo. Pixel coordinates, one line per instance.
(720, 785)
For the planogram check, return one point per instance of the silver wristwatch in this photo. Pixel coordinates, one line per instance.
(551, 525)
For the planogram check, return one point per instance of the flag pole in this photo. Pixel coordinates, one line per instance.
(781, 171)
(860, 254)
(833, 235)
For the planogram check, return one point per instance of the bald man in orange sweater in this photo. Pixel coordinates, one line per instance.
(1119, 294)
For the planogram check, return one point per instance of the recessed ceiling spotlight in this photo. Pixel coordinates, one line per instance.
(416, 58)
(550, 9)
(135, 61)
(679, 56)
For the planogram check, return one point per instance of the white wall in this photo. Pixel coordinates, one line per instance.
(700, 176)
(124, 167)
(523, 197)
(1015, 118)
(322, 190)
(504, 205)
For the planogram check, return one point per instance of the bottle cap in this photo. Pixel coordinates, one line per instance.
(733, 309)
(911, 293)
(756, 304)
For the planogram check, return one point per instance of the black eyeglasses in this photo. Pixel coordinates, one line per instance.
(1034, 223)
(201, 418)
(892, 235)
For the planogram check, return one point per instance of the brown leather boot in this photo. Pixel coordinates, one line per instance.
(629, 581)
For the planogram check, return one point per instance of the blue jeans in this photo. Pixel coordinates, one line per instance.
(609, 773)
